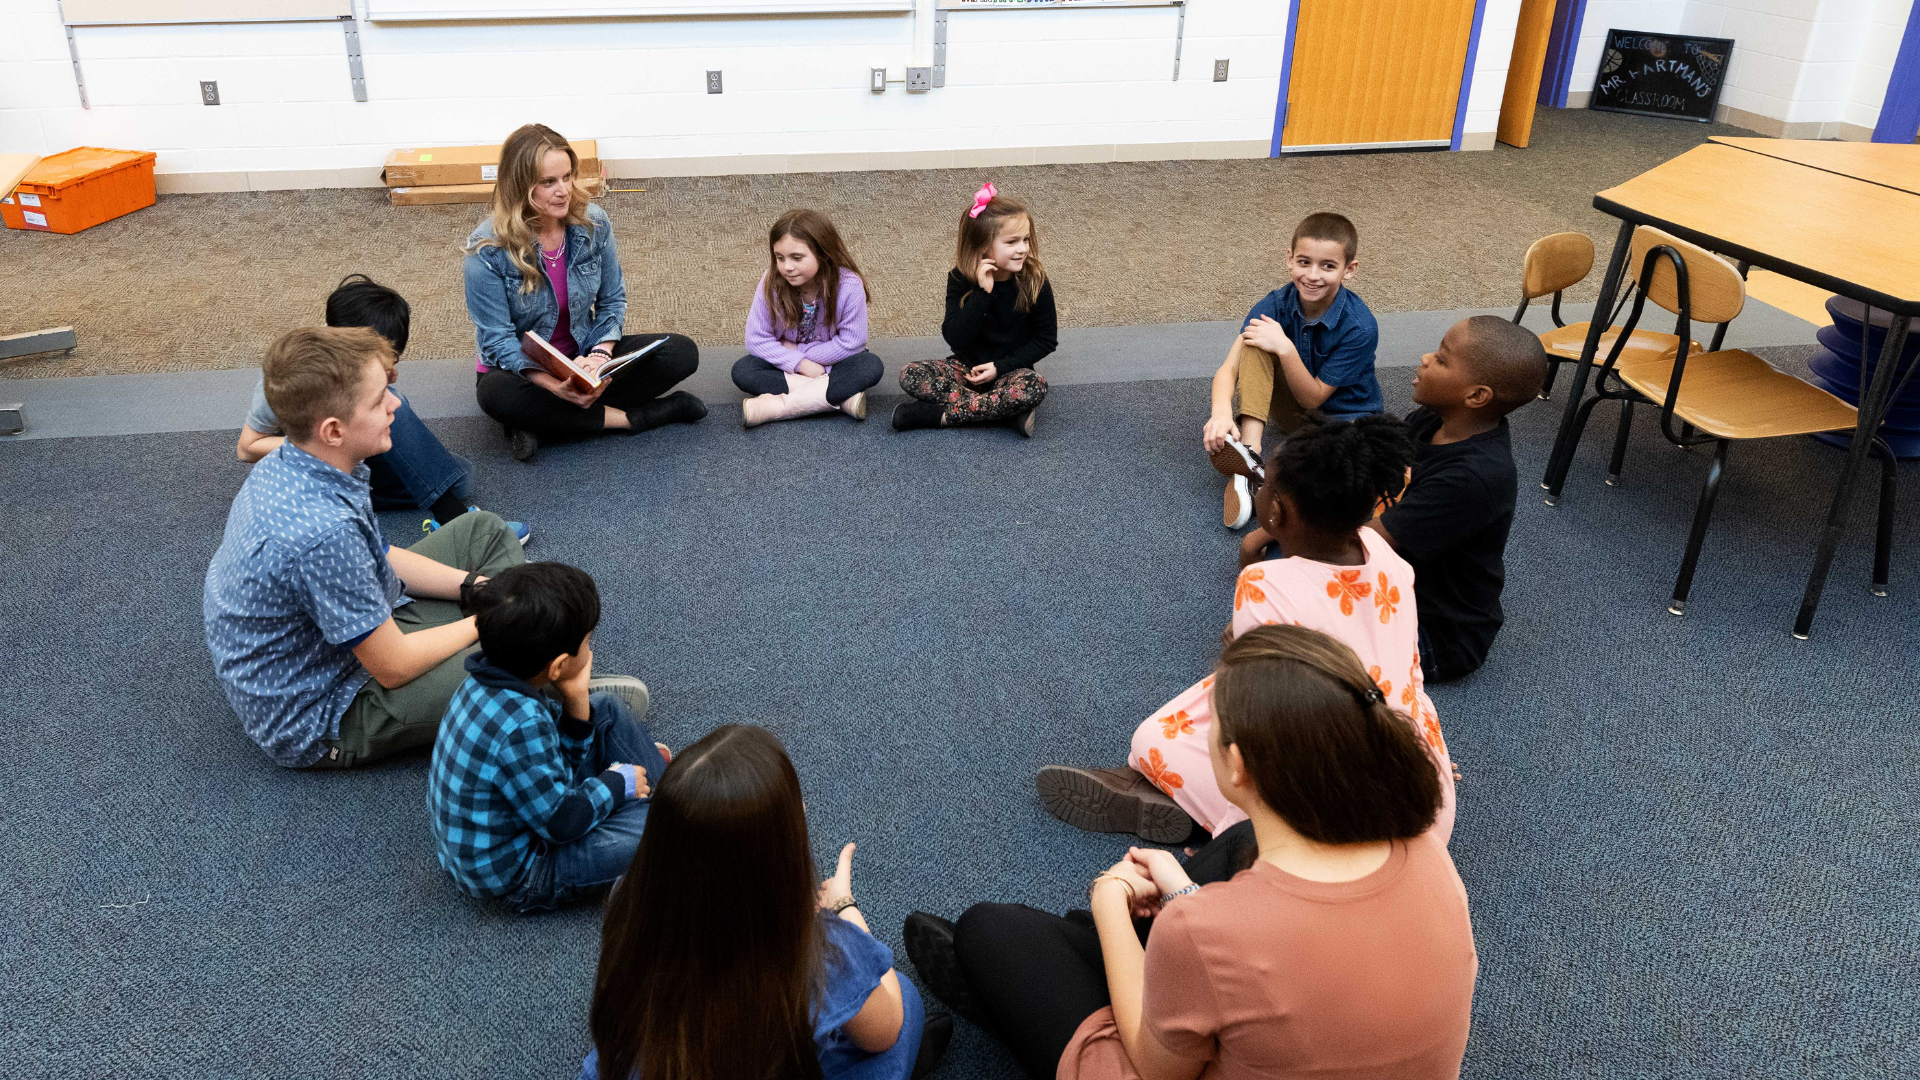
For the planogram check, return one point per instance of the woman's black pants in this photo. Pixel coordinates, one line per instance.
(1037, 976)
(522, 406)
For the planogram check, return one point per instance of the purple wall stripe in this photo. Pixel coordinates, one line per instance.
(1562, 43)
(1466, 73)
(1900, 110)
(1286, 80)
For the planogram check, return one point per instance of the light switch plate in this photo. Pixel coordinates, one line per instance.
(919, 80)
(877, 80)
(209, 92)
(713, 82)
(1219, 71)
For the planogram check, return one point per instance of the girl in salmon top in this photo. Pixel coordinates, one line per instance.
(1336, 944)
(1332, 575)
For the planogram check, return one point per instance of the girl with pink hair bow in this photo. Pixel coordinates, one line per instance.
(1000, 322)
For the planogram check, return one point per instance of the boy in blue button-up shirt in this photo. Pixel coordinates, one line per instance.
(334, 647)
(1307, 345)
(541, 773)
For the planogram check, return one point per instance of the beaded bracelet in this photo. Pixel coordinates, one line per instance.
(844, 903)
(1178, 893)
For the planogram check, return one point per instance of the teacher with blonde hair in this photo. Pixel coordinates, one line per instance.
(544, 261)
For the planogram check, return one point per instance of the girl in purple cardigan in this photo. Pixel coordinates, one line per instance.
(807, 329)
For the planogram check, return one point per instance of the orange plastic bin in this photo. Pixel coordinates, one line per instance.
(79, 189)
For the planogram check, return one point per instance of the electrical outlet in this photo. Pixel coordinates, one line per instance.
(877, 80)
(1219, 71)
(713, 82)
(209, 92)
(919, 80)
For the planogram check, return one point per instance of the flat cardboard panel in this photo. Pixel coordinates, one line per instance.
(442, 194)
(443, 166)
(136, 12)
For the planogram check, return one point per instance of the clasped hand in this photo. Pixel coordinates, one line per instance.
(982, 374)
(1151, 873)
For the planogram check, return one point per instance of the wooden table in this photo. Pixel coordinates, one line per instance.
(1894, 165)
(1851, 236)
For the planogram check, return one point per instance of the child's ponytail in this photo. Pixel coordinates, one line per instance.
(1337, 471)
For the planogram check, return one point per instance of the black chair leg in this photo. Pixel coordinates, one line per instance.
(1553, 369)
(1883, 535)
(1701, 515)
(1620, 443)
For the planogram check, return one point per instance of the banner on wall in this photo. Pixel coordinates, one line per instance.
(1661, 74)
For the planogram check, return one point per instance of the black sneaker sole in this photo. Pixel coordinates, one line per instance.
(929, 942)
(1082, 801)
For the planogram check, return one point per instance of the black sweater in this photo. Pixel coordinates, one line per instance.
(984, 328)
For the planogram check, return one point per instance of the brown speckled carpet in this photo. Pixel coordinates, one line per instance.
(206, 281)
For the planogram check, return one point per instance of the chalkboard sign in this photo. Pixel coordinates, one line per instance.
(1661, 74)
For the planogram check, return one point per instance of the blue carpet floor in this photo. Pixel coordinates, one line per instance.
(1689, 843)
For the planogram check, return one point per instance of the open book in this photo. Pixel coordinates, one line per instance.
(568, 370)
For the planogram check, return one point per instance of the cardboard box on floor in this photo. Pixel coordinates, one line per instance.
(440, 194)
(442, 166)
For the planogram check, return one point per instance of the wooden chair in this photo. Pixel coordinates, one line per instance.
(1717, 396)
(1555, 264)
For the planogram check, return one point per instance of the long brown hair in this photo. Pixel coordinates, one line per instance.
(811, 228)
(710, 955)
(514, 229)
(976, 239)
(1325, 750)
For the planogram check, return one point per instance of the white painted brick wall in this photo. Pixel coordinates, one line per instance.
(1798, 61)
(793, 86)
(1875, 65)
(1498, 25)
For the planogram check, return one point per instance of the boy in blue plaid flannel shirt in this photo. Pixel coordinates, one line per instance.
(541, 773)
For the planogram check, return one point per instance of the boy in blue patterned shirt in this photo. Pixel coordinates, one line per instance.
(538, 791)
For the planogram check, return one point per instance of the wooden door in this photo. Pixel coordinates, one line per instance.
(1375, 73)
(1523, 73)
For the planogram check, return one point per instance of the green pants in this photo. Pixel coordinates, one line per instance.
(382, 722)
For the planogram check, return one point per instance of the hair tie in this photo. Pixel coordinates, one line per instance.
(982, 197)
(1373, 696)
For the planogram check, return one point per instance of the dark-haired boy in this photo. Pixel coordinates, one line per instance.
(1307, 345)
(1452, 521)
(334, 647)
(418, 471)
(541, 772)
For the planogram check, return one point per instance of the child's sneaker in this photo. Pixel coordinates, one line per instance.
(1237, 461)
(1235, 458)
(631, 692)
(1239, 503)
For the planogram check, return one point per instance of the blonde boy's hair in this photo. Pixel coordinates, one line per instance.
(315, 372)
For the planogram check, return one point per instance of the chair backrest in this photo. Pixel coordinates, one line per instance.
(1556, 262)
(1718, 290)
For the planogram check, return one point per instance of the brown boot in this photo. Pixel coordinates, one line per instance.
(1118, 800)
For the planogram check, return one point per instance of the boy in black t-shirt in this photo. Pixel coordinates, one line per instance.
(1451, 523)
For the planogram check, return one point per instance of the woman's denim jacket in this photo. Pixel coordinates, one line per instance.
(501, 313)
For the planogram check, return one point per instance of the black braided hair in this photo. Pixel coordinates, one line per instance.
(1337, 471)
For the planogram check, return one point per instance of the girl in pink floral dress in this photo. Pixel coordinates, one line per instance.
(1338, 578)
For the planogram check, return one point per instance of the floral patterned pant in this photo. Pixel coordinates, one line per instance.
(944, 383)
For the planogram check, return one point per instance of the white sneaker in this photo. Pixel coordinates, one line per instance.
(1239, 503)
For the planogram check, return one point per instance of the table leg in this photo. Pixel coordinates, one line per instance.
(1873, 409)
(1569, 436)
